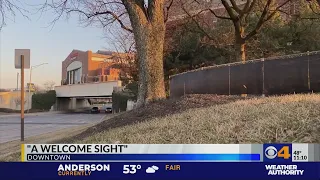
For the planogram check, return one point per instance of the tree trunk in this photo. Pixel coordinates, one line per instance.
(240, 51)
(150, 57)
(149, 35)
(240, 44)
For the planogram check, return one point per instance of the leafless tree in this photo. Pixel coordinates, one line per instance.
(124, 44)
(121, 40)
(49, 85)
(144, 18)
(8, 10)
(239, 13)
(38, 88)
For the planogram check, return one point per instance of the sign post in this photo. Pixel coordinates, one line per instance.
(22, 61)
(22, 97)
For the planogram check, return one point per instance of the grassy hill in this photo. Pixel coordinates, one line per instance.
(214, 119)
(207, 119)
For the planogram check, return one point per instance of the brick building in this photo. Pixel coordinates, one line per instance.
(86, 66)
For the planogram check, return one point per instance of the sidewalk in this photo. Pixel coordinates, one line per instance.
(30, 114)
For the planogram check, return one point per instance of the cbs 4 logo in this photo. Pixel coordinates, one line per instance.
(271, 152)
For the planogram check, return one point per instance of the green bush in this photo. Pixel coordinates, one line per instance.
(44, 101)
(119, 102)
(119, 99)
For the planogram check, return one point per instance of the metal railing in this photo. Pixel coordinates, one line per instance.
(90, 79)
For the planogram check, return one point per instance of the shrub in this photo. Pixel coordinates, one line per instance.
(44, 101)
(120, 99)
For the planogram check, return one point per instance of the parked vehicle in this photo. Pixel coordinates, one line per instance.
(95, 110)
(108, 110)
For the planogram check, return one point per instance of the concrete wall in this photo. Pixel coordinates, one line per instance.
(87, 90)
(296, 73)
(65, 104)
(82, 103)
(62, 104)
(130, 105)
(11, 100)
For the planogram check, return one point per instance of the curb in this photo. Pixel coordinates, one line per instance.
(30, 114)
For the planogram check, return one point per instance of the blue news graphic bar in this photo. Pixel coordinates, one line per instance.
(181, 157)
(165, 170)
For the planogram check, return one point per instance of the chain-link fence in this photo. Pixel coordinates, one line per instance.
(297, 73)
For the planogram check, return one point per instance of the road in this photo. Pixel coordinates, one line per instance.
(36, 124)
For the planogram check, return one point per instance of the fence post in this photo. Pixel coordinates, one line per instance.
(169, 85)
(184, 88)
(263, 90)
(309, 88)
(229, 80)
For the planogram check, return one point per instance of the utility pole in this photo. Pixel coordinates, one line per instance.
(22, 98)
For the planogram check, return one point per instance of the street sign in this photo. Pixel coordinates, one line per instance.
(22, 61)
(31, 87)
(22, 52)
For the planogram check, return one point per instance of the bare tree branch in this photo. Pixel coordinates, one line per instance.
(248, 8)
(121, 40)
(196, 22)
(217, 16)
(49, 85)
(229, 10)
(262, 19)
(166, 11)
(104, 12)
(8, 9)
(235, 6)
(115, 17)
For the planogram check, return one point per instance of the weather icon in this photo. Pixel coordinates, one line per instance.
(152, 169)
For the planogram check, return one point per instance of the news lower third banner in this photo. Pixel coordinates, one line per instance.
(171, 152)
(165, 161)
(160, 170)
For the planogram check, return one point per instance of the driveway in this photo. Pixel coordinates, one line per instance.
(41, 123)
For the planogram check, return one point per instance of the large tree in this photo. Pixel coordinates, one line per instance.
(279, 36)
(239, 13)
(146, 21)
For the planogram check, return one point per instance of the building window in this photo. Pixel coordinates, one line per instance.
(69, 77)
(77, 76)
(74, 76)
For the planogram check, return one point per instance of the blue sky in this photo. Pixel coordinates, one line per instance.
(48, 45)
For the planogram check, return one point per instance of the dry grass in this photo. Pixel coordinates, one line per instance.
(156, 110)
(10, 151)
(291, 118)
(201, 119)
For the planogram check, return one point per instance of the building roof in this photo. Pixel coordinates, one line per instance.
(104, 52)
